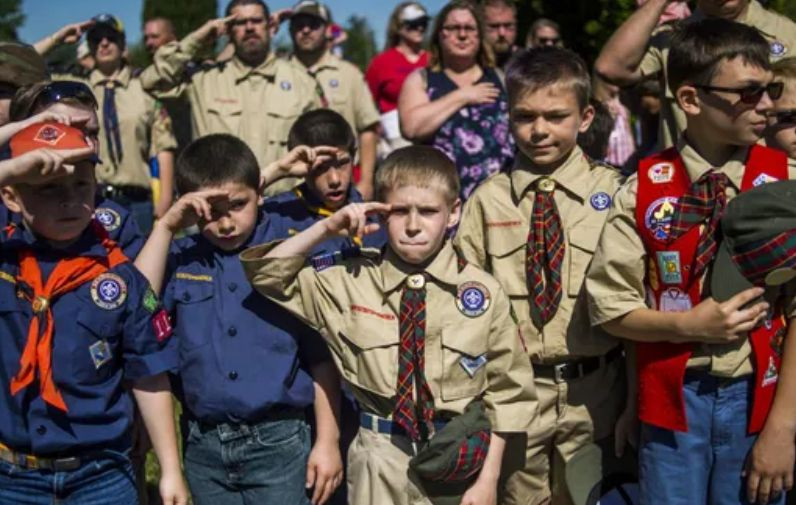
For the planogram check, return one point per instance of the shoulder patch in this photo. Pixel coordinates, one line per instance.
(109, 291)
(108, 218)
(600, 201)
(472, 299)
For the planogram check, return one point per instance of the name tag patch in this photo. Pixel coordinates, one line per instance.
(109, 291)
(471, 365)
(100, 353)
(600, 201)
(472, 299)
(108, 218)
(669, 267)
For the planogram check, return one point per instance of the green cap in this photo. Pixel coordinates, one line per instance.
(759, 241)
(21, 65)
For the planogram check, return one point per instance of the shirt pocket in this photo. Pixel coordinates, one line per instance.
(369, 354)
(507, 253)
(225, 115)
(583, 242)
(464, 360)
(95, 353)
(194, 318)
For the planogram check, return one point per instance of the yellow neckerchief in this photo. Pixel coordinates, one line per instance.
(320, 211)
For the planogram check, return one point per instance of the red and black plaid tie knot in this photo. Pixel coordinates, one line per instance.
(415, 416)
(702, 205)
(544, 254)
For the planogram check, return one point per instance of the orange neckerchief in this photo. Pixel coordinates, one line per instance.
(67, 275)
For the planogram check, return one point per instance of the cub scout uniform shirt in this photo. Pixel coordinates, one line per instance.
(493, 233)
(779, 32)
(471, 349)
(257, 104)
(615, 282)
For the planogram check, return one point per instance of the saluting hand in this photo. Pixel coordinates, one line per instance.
(214, 28)
(42, 165)
(352, 220)
(301, 159)
(71, 33)
(715, 322)
(191, 208)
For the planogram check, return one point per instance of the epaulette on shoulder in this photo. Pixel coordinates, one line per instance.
(323, 261)
(598, 163)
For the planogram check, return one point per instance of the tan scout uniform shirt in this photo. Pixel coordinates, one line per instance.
(345, 89)
(494, 232)
(144, 126)
(615, 282)
(257, 104)
(778, 30)
(355, 306)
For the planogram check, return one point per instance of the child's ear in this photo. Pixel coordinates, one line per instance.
(10, 199)
(586, 117)
(455, 214)
(687, 98)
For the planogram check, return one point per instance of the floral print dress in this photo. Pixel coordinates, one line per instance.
(477, 137)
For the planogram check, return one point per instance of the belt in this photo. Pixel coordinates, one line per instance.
(387, 426)
(133, 193)
(576, 369)
(30, 462)
(275, 414)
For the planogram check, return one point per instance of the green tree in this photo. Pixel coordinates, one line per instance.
(786, 7)
(360, 47)
(11, 18)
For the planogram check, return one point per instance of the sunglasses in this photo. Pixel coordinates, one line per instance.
(302, 21)
(416, 25)
(750, 95)
(58, 91)
(96, 35)
(784, 117)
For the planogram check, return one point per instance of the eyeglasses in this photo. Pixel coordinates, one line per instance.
(549, 41)
(784, 117)
(96, 35)
(58, 91)
(416, 25)
(750, 95)
(467, 29)
(505, 26)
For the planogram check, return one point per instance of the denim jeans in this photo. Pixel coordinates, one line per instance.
(704, 465)
(265, 463)
(105, 481)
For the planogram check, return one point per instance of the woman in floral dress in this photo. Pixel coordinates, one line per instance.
(458, 104)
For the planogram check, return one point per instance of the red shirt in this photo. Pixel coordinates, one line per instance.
(386, 75)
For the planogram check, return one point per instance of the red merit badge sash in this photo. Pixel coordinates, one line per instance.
(662, 181)
(68, 275)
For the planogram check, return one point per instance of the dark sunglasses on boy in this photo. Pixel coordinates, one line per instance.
(784, 117)
(750, 95)
(416, 25)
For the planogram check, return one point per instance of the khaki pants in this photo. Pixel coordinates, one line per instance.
(571, 414)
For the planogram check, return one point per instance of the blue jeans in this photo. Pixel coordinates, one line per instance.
(265, 463)
(704, 465)
(106, 481)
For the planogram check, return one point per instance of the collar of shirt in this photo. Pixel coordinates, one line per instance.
(328, 60)
(120, 78)
(571, 176)
(444, 268)
(87, 245)
(697, 166)
(242, 71)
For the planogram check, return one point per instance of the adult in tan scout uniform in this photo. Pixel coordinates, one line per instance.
(467, 343)
(577, 369)
(340, 86)
(134, 126)
(254, 95)
(639, 48)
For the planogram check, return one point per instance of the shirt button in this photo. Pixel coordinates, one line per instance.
(41, 430)
(232, 286)
(232, 331)
(233, 375)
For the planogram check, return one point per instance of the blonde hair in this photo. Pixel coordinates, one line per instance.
(485, 57)
(785, 68)
(394, 25)
(421, 166)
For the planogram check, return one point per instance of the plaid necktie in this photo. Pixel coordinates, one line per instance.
(703, 203)
(414, 418)
(319, 90)
(110, 122)
(544, 254)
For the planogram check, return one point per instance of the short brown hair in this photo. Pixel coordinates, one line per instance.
(485, 57)
(785, 69)
(509, 4)
(697, 48)
(421, 166)
(531, 69)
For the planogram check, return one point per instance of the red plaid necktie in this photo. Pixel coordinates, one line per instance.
(703, 203)
(544, 254)
(415, 418)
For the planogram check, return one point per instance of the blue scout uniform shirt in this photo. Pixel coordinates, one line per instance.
(120, 224)
(296, 210)
(99, 341)
(240, 355)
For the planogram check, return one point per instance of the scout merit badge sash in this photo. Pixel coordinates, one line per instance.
(677, 221)
(68, 275)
